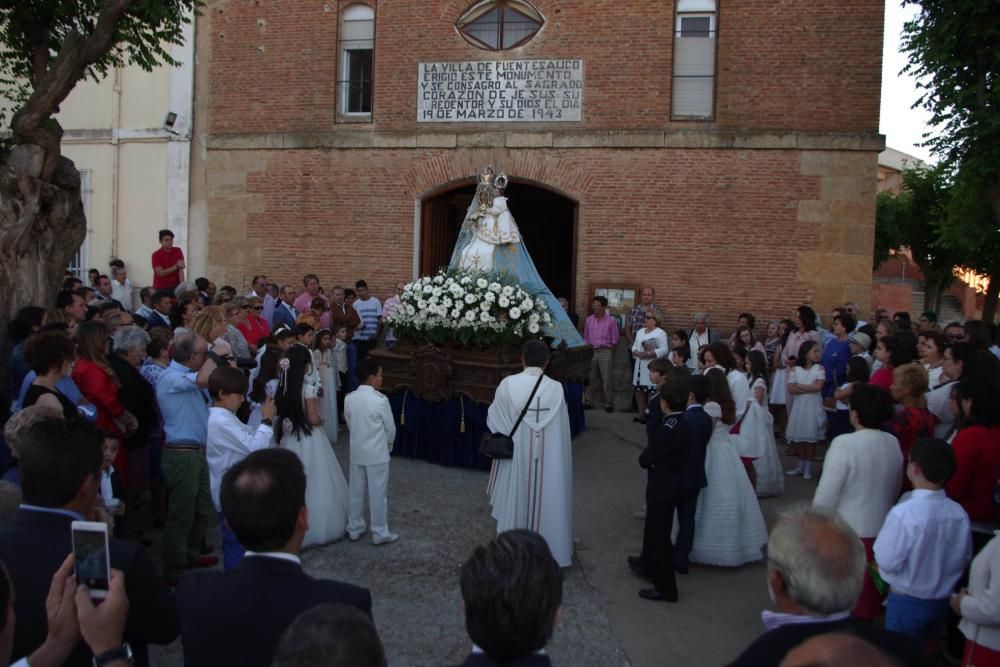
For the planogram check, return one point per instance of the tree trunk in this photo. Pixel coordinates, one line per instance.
(41, 227)
(933, 288)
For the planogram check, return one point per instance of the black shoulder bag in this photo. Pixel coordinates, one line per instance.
(501, 445)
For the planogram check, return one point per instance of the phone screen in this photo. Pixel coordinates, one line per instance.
(90, 550)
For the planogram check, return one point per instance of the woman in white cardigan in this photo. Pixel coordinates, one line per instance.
(979, 607)
(861, 478)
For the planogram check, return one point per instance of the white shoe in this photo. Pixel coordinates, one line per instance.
(354, 537)
(794, 471)
(388, 539)
(807, 475)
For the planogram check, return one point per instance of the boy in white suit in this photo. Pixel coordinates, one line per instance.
(373, 430)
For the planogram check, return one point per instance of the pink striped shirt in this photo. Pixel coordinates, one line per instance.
(602, 332)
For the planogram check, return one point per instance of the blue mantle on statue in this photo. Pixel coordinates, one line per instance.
(433, 431)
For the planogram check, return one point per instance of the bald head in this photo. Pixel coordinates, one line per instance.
(836, 649)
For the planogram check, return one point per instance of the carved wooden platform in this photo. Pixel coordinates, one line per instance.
(436, 373)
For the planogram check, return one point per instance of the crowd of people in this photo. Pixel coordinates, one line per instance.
(908, 415)
(203, 404)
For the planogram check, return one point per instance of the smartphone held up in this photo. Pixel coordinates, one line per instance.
(90, 554)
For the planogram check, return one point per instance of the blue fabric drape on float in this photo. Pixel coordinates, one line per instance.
(432, 431)
(513, 260)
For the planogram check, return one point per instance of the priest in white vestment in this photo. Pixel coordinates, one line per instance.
(534, 489)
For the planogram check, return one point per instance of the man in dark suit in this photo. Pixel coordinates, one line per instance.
(60, 466)
(700, 432)
(511, 589)
(162, 302)
(284, 312)
(815, 566)
(237, 618)
(665, 461)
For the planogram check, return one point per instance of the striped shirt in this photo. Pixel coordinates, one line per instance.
(369, 311)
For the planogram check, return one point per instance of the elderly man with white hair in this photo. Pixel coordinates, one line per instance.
(700, 336)
(815, 562)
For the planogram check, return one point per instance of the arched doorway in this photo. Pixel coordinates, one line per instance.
(547, 221)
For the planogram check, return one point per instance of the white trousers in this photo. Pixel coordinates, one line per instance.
(376, 478)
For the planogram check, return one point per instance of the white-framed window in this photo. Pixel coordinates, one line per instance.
(496, 25)
(695, 39)
(357, 60)
(78, 265)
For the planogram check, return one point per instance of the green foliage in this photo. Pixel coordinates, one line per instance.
(916, 218)
(970, 227)
(891, 212)
(33, 33)
(954, 53)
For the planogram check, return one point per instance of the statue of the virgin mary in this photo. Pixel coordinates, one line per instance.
(490, 242)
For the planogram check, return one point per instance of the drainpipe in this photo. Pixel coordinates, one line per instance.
(116, 113)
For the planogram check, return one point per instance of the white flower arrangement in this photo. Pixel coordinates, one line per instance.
(468, 308)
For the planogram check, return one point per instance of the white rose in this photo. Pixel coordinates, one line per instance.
(527, 304)
(439, 279)
(436, 291)
(466, 280)
(507, 290)
(421, 304)
(471, 315)
(456, 313)
(534, 317)
(546, 318)
(514, 313)
(428, 289)
(485, 306)
(442, 311)
(503, 301)
(489, 297)
(494, 287)
(410, 310)
(446, 302)
(484, 316)
(470, 298)
(481, 283)
(533, 327)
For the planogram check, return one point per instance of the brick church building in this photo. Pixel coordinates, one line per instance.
(722, 151)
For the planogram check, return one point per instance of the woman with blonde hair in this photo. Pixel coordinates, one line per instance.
(912, 420)
(211, 324)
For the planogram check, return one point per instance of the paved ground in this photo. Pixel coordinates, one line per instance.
(442, 513)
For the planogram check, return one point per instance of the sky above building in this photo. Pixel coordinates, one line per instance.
(902, 126)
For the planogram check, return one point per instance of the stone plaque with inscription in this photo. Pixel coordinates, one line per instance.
(500, 90)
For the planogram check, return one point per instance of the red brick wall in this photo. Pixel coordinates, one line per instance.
(710, 230)
(781, 65)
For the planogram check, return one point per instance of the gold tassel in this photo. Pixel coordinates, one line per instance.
(461, 428)
(402, 412)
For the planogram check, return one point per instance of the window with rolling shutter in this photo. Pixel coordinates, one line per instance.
(357, 58)
(695, 32)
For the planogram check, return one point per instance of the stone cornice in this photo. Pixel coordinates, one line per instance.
(369, 138)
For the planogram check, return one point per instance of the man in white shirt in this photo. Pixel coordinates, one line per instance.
(373, 431)
(121, 286)
(699, 336)
(230, 441)
(534, 489)
(924, 545)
